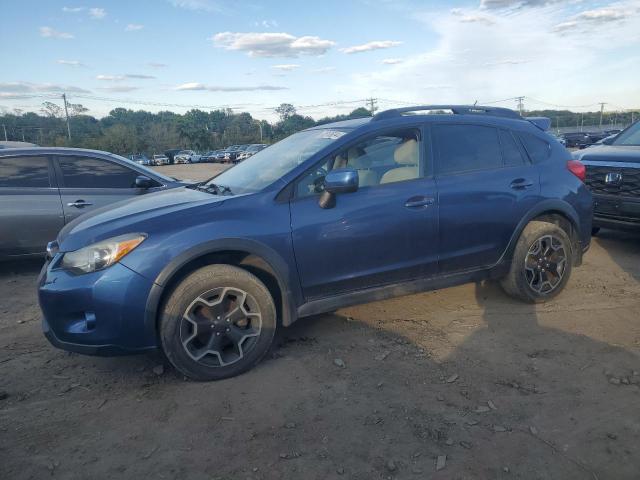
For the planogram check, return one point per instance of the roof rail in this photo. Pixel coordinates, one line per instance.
(456, 109)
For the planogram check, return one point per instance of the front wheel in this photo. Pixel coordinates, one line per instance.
(217, 323)
(541, 263)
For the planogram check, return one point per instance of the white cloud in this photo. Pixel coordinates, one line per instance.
(72, 9)
(518, 4)
(202, 5)
(266, 24)
(323, 70)
(48, 32)
(392, 61)
(612, 14)
(18, 89)
(272, 44)
(97, 13)
(117, 78)
(157, 65)
(133, 27)
(476, 17)
(119, 88)
(474, 61)
(286, 67)
(367, 47)
(195, 86)
(71, 63)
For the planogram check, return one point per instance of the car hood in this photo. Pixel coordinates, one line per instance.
(609, 153)
(135, 215)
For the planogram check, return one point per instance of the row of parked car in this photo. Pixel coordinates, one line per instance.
(585, 139)
(231, 154)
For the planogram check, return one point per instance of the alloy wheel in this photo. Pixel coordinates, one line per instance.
(220, 326)
(545, 264)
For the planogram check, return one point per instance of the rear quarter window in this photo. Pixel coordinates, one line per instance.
(537, 148)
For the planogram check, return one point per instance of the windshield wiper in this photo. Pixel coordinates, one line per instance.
(215, 189)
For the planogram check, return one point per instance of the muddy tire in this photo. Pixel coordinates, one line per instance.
(541, 263)
(217, 323)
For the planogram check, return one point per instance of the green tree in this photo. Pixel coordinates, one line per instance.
(285, 110)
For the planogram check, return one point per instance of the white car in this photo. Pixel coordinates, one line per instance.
(159, 160)
(186, 156)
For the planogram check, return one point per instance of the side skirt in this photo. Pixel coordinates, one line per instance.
(374, 294)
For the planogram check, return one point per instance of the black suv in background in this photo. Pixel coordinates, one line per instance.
(613, 175)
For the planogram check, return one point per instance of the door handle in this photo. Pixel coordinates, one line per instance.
(521, 184)
(79, 204)
(419, 201)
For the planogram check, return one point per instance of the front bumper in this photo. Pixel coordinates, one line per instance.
(616, 212)
(100, 313)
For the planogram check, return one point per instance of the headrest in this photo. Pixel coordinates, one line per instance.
(357, 158)
(407, 153)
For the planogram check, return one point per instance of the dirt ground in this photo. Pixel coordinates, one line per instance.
(501, 389)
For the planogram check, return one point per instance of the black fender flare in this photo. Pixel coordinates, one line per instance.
(545, 207)
(275, 261)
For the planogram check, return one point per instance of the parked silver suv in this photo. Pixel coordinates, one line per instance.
(42, 189)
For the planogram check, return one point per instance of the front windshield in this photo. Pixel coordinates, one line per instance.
(630, 137)
(270, 164)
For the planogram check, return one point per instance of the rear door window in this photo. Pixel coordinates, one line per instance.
(466, 148)
(511, 153)
(24, 172)
(87, 172)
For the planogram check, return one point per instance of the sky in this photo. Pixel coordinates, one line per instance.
(324, 57)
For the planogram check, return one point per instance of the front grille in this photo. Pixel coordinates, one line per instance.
(630, 186)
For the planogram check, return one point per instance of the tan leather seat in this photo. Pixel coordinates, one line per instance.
(357, 159)
(405, 154)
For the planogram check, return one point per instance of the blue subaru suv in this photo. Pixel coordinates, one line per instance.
(409, 200)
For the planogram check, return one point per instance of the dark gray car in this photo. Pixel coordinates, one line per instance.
(42, 189)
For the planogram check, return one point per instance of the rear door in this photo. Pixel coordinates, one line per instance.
(486, 184)
(87, 183)
(30, 210)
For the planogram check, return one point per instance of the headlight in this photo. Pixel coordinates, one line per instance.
(102, 254)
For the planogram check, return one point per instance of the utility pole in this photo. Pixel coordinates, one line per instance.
(66, 112)
(4, 127)
(373, 105)
(602, 104)
(520, 104)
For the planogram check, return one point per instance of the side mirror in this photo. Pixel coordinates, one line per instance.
(338, 181)
(142, 181)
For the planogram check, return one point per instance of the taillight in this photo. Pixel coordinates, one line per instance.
(578, 169)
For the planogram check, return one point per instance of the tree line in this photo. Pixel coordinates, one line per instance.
(126, 131)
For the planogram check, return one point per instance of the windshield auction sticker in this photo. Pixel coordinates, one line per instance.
(332, 134)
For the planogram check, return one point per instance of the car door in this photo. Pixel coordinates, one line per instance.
(486, 184)
(384, 233)
(30, 209)
(87, 183)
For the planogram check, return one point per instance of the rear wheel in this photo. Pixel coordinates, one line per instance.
(541, 263)
(217, 323)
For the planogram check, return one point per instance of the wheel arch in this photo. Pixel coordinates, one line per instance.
(251, 256)
(557, 212)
